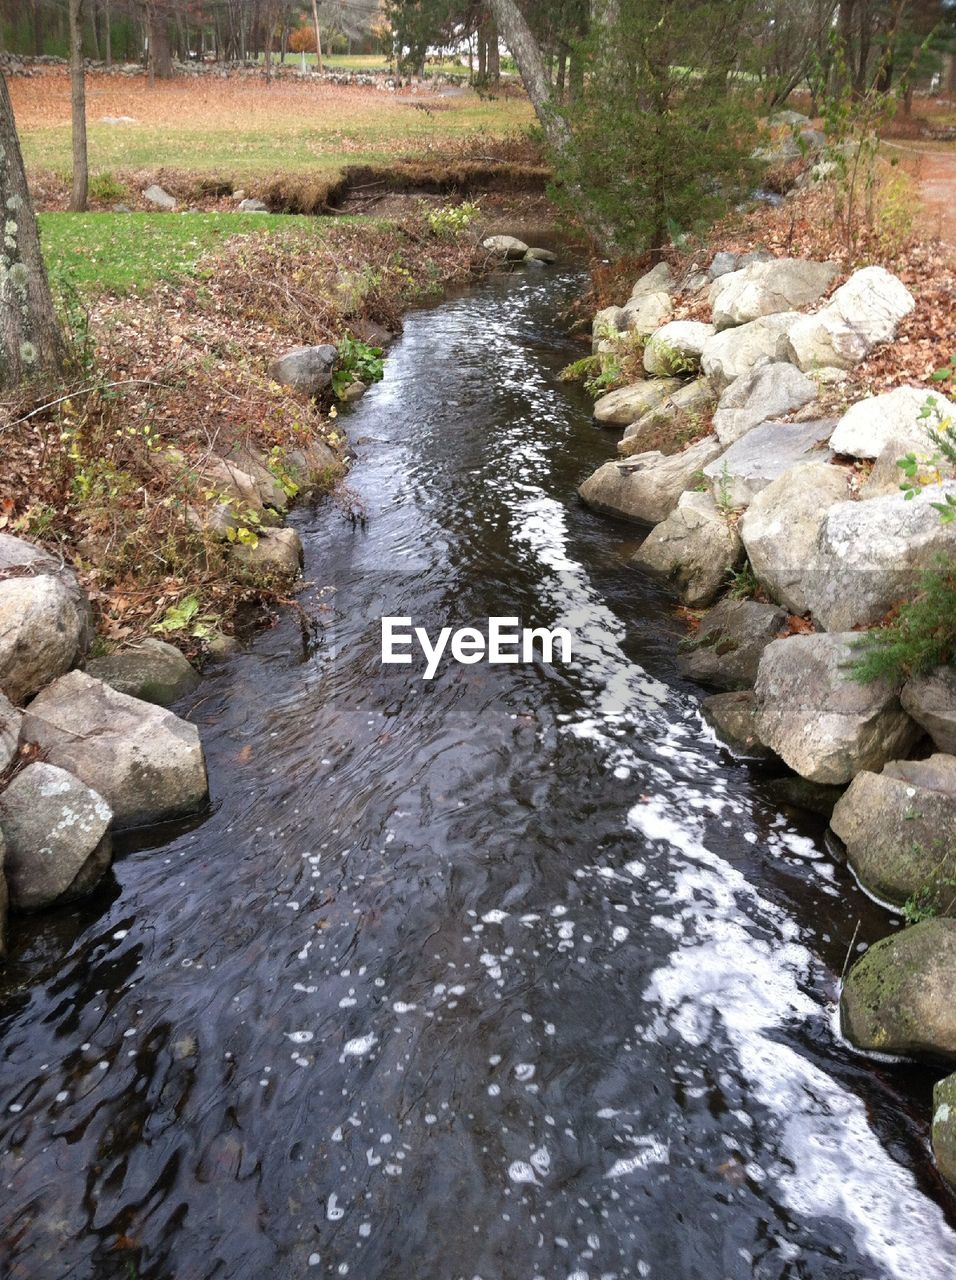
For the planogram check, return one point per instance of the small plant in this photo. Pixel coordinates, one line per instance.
(186, 617)
(279, 468)
(450, 221)
(920, 637)
(743, 582)
(724, 497)
(358, 362)
(941, 429)
(107, 189)
(598, 374)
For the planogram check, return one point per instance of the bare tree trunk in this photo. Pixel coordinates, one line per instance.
(494, 58)
(160, 56)
(31, 344)
(318, 35)
(527, 53)
(108, 33)
(37, 28)
(78, 103)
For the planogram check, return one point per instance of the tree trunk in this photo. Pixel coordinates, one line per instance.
(107, 33)
(160, 57)
(494, 58)
(37, 28)
(534, 75)
(78, 105)
(31, 344)
(318, 35)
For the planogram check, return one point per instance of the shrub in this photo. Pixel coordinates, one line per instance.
(920, 637)
(450, 221)
(104, 187)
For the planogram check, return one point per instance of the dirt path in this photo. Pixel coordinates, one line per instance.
(933, 166)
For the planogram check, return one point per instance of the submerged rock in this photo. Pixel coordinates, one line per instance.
(824, 724)
(725, 652)
(931, 701)
(899, 997)
(767, 288)
(145, 762)
(152, 670)
(694, 548)
(732, 717)
(307, 369)
(56, 831)
(540, 255)
(862, 313)
(647, 487)
(769, 390)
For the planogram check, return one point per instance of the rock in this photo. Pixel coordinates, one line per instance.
(944, 1128)
(508, 247)
(607, 323)
(676, 348)
(695, 548)
(153, 671)
(733, 352)
(313, 465)
(540, 255)
(791, 119)
(869, 556)
(219, 645)
(899, 997)
(353, 392)
(648, 486)
(798, 793)
(770, 389)
(307, 369)
(731, 715)
(929, 699)
(781, 526)
(886, 477)
(861, 314)
(146, 763)
(659, 279)
(824, 724)
(688, 407)
(763, 454)
(22, 559)
(722, 265)
(252, 206)
(276, 554)
(898, 839)
(694, 283)
(3, 899)
(870, 425)
(627, 404)
(157, 196)
(813, 139)
(268, 491)
(10, 719)
(56, 832)
(725, 653)
(41, 634)
(934, 773)
(648, 312)
(766, 288)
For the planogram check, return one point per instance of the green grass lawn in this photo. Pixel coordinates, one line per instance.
(125, 253)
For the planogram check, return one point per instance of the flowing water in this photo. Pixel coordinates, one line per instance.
(509, 974)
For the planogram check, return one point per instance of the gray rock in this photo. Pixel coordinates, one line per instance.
(56, 831)
(869, 426)
(659, 279)
(763, 454)
(688, 407)
(899, 839)
(3, 899)
(40, 634)
(824, 724)
(627, 404)
(944, 1128)
(934, 773)
(252, 206)
(313, 465)
(886, 477)
(541, 255)
(731, 715)
(899, 997)
(766, 288)
(161, 199)
(145, 762)
(869, 556)
(770, 389)
(23, 559)
(647, 312)
(725, 653)
(307, 369)
(10, 719)
(276, 554)
(694, 548)
(608, 322)
(268, 490)
(722, 265)
(734, 352)
(153, 671)
(929, 699)
(862, 313)
(781, 526)
(798, 793)
(647, 487)
(792, 119)
(509, 247)
(676, 348)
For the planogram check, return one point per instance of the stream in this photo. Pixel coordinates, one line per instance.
(506, 975)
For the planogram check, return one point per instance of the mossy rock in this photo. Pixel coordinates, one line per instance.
(944, 1128)
(899, 997)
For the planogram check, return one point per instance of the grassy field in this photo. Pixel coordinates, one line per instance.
(242, 127)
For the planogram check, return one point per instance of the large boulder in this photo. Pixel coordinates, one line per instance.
(870, 555)
(151, 670)
(765, 288)
(732, 353)
(731, 716)
(694, 548)
(899, 997)
(781, 526)
(869, 426)
(769, 390)
(899, 838)
(22, 559)
(57, 835)
(276, 554)
(647, 487)
(10, 720)
(861, 314)
(676, 348)
(647, 312)
(763, 454)
(625, 405)
(659, 279)
(944, 1128)
(145, 762)
(306, 369)
(824, 724)
(725, 653)
(930, 699)
(508, 247)
(685, 412)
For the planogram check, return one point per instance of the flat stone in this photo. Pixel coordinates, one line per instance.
(763, 454)
(676, 348)
(768, 391)
(931, 701)
(695, 549)
(725, 652)
(56, 832)
(145, 762)
(734, 352)
(868, 426)
(647, 487)
(153, 671)
(731, 716)
(627, 404)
